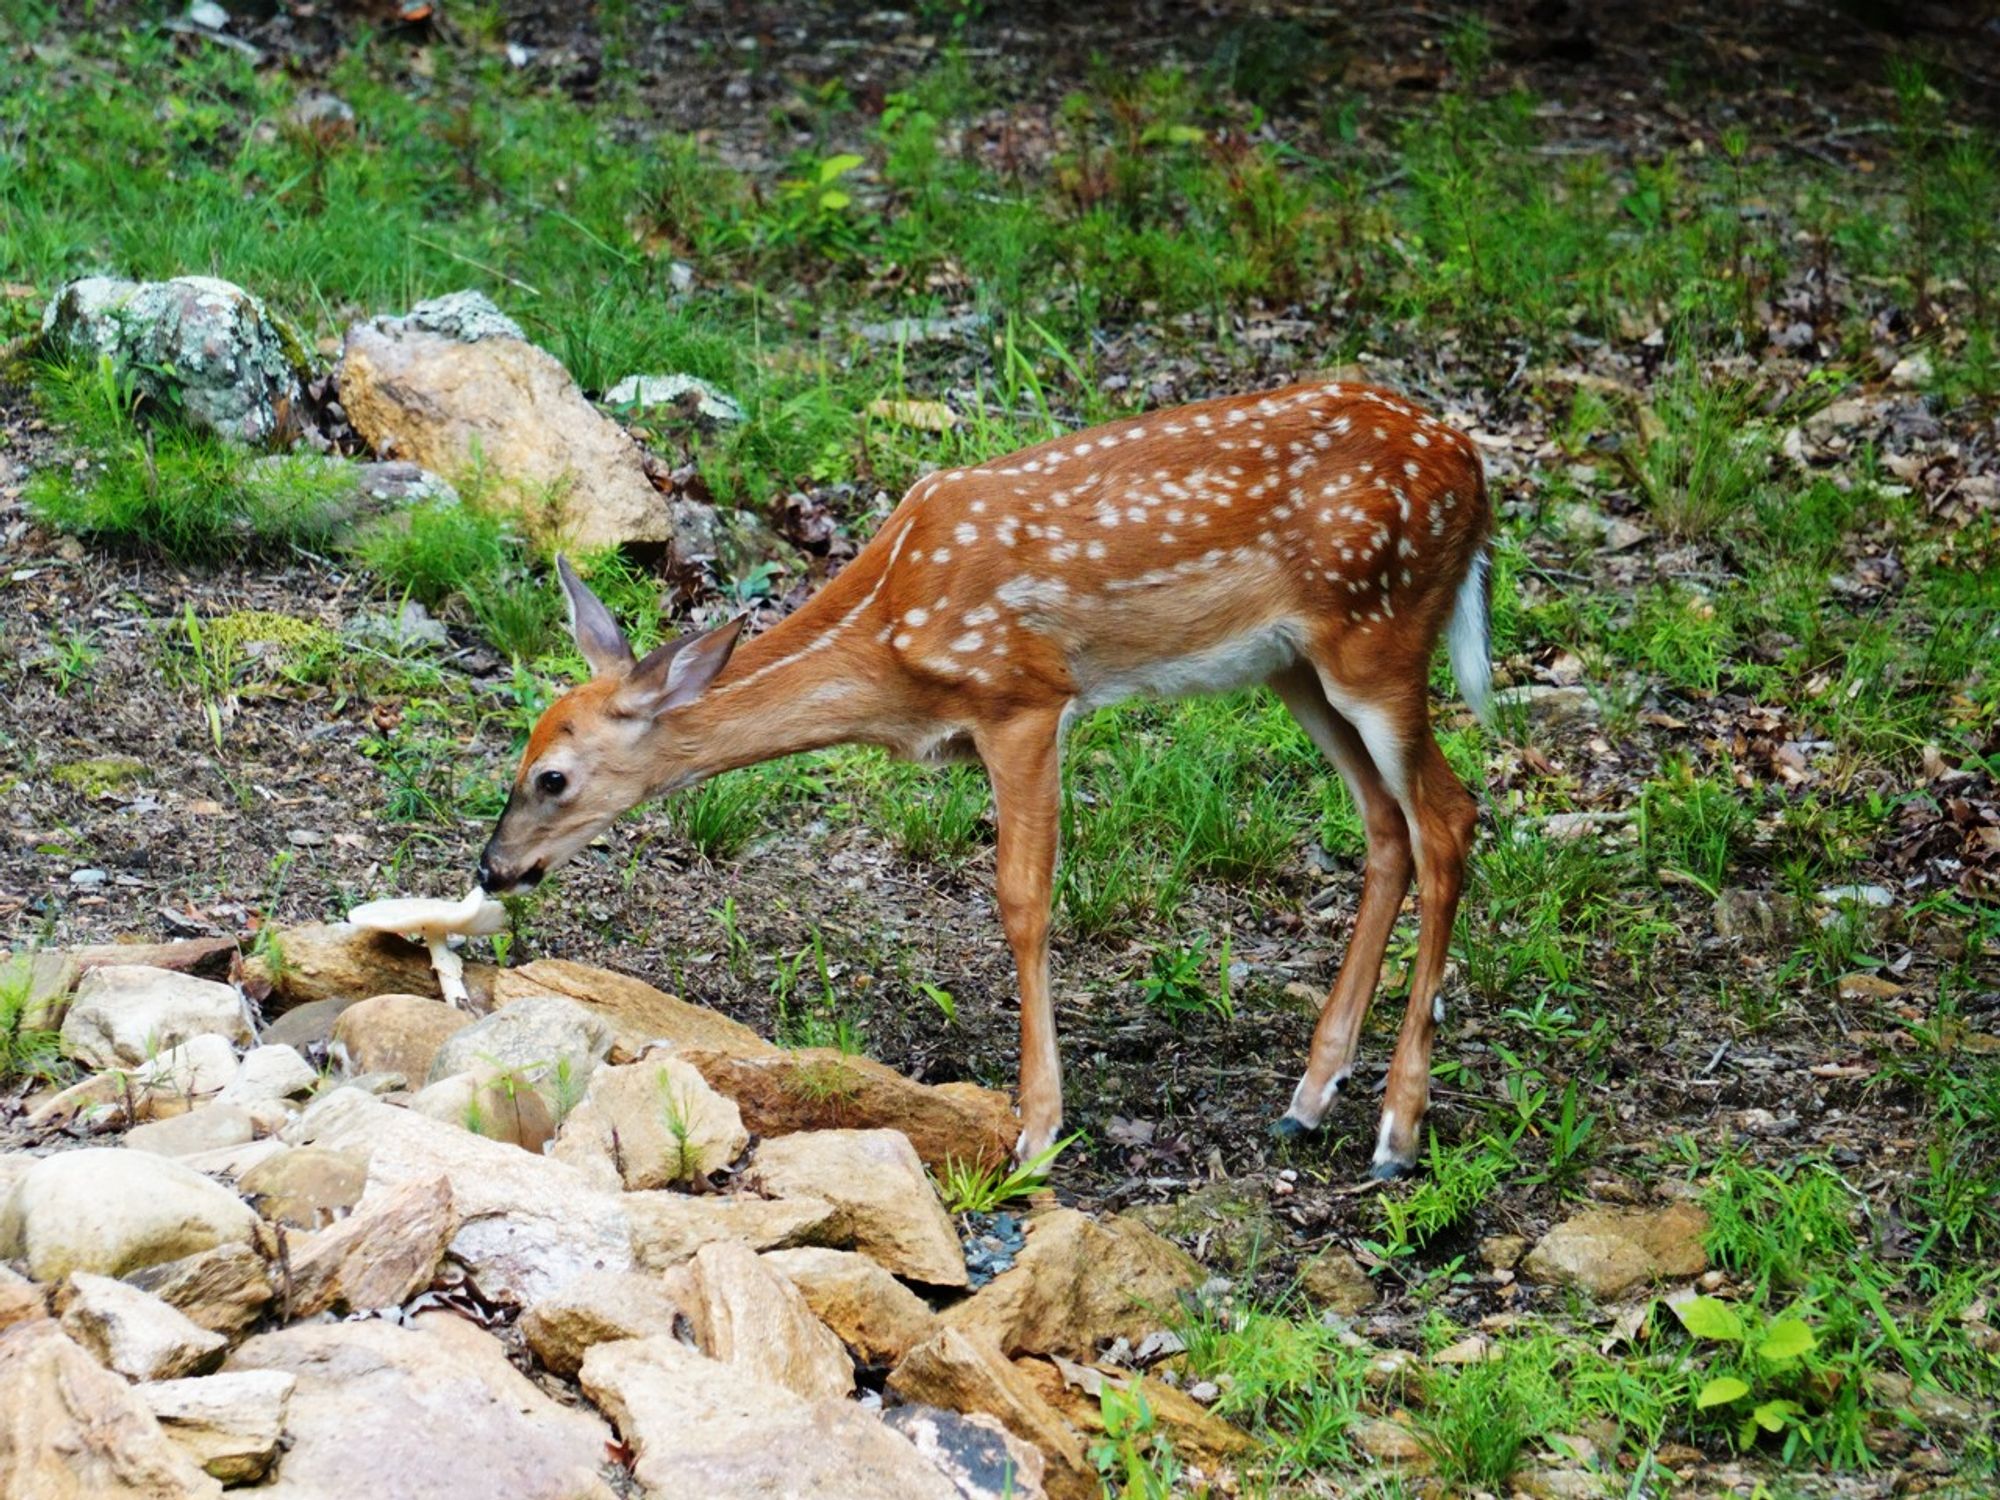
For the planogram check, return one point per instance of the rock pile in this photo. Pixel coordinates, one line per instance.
(706, 1247)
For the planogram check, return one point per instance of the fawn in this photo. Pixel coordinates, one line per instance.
(1317, 538)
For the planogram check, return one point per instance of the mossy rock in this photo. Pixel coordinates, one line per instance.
(99, 774)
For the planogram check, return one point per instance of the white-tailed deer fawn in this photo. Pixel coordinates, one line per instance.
(1316, 538)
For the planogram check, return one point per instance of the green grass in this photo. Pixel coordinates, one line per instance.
(29, 1049)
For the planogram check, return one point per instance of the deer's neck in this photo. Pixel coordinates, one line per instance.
(813, 680)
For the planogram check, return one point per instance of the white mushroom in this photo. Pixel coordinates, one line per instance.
(434, 923)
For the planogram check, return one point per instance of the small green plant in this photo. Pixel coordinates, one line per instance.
(1701, 456)
(1459, 1180)
(1177, 983)
(970, 1188)
(683, 1162)
(721, 816)
(70, 659)
(1764, 1356)
(1134, 1459)
(28, 1046)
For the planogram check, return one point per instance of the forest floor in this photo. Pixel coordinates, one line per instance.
(1719, 307)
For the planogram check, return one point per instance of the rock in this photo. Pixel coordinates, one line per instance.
(538, 1037)
(636, 1012)
(213, 1127)
(675, 390)
(819, 1088)
(1389, 1443)
(324, 116)
(415, 1412)
(235, 368)
(651, 1124)
(270, 1074)
(598, 1307)
(966, 1374)
(1912, 371)
(305, 1187)
(1231, 1223)
(229, 1163)
(308, 1026)
(1866, 987)
(381, 1255)
(42, 982)
(134, 1332)
(1077, 1283)
(703, 1428)
(1609, 1252)
(1333, 1279)
(395, 1034)
(111, 1212)
(748, 1315)
(1502, 1252)
(667, 1228)
(125, 1015)
(1756, 917)
(209, 957)
(527, 1224)
(451, 385)
(1548, 1483)
(231, 1425)
(224, 1290)
(981, 1458)
(1077, 1391)
(1548, 703)
(411, 626)
(21, 1301)
(884, 1205)
(1877, 897)
(337, 961)
(72, 1430)
(498, 1105)
(875, 1315)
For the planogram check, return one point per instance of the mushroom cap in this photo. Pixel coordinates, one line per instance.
(475, 916)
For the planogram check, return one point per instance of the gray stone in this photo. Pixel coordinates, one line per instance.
(981, 1458)
(270, 1073)
(235, 367)
(465, 317)
(212, 1127)
(668, 390)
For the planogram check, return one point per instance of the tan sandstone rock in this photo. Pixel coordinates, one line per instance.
(1076, 1283)
(651, 1124)
(527, 1224)
(500, 1106)
(885, 1206)
(305, 1187)
(124, 1015)
(419, 391)
(636, 1012)
(381, 1255)
(72, 1430)
(747, 1315)
(1609, 1252)
(705, 1429)
(112, 1211)
(339, 961)
(667, 1228)
(133, 1332)
(819, 1088)
(224, 1289)
(598, 1307)
(1077, 1391)
(232, 1425)
(395, 1034)
(875, 1315)
(428, 1412)
(965, 1374)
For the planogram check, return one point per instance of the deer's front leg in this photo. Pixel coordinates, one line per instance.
(1023, 760)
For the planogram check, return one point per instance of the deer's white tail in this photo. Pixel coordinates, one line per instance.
(1470, 635)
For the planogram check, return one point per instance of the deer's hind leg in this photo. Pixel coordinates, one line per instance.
(1386, 876)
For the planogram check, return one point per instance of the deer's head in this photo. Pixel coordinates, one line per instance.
(603, 747)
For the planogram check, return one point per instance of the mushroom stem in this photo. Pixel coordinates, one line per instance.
(450, 970)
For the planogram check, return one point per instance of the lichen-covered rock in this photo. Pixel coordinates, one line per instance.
(455, 382)
(235, 367)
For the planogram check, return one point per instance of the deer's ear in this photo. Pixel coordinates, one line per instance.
(597, 634)
(676, 673)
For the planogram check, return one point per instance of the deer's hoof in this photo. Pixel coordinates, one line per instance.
(1289, 1129)
(1392, 1169)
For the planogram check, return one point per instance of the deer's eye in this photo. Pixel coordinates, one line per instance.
(551, 783)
